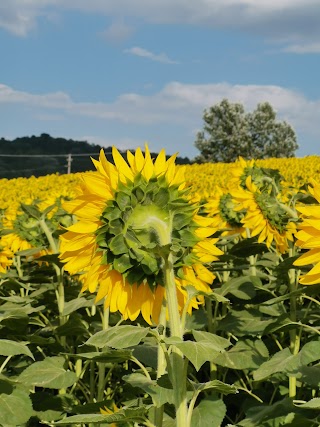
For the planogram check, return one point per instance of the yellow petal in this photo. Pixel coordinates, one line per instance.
(121, 164)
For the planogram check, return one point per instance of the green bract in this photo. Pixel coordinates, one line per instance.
(227, 212)
(136, 226)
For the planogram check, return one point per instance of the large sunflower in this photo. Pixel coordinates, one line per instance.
(309, 237)
(130, 215)
(265, 216)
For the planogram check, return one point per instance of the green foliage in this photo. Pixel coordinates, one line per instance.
(63, 358)
(230, 132)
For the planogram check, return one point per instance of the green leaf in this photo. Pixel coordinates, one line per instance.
(107, 356)
(123, 415)
(15, 408)
(263, 415)
(309, 375)
(215, 385)
(247, 247)
(48, 373)
(197, 352)
(220, 342)
(12, 348)
(49, 407)
(245, 322)
(312, 404)
(282, 361)
(30, 252)
(209, 413)
(31, 210)
(160, 395)
(246, 354)
(75, 304)
(74, 327)
(241, 287)
(122, 336)
(147, 354)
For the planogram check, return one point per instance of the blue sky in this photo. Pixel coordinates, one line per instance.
(126, 72)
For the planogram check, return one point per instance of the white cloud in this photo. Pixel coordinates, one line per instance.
(176, 103)
(139, 51)
(288, 21)
(303, 48)
(118, 31)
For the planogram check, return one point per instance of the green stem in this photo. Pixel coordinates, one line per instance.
(163, 228)
(294, 337)
(92, 381)
(4, 363)
(191, 407)
(101, 365)
(211, 329)
(161, 363)
(47, 232)
(177, 359)
(253, 269)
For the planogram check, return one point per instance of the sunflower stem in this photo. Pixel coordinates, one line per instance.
(178, 372)
(177, 359)
(294, 336)
(101, 365)
(47, 232)
(161, 364)
(253, 269)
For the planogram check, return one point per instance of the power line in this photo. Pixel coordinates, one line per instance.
(68, 156)
(52, 155)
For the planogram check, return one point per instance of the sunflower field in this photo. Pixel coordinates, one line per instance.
(151, 294)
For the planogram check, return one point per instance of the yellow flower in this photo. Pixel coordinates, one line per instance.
(124, 213)
(5, 259)
(309, 237)
(221, 207)
(265, 217)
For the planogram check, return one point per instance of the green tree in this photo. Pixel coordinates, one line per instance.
(230, 132)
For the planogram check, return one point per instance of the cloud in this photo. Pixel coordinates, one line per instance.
(118, 31)
(303, 48)
(175, 104)
(285, 21)
(19, 16)
(139, 51)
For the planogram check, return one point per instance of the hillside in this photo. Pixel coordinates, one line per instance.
(52, 156)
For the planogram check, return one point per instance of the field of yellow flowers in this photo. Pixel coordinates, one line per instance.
(150, 294)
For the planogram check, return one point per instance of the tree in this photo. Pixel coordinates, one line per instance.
(230, 132)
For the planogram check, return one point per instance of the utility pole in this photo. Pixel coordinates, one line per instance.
(69, 160)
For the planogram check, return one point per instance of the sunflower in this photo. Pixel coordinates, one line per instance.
(221, 207)
(23, 232)
(263, 178)
(309, 237)
(5, 259)
(130, 216)
(265, 216)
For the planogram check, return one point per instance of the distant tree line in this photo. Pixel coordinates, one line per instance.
(13, 167)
